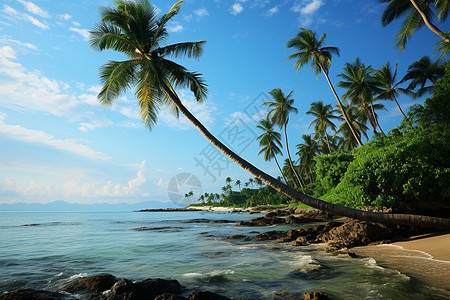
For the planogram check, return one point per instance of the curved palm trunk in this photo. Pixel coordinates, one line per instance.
(391, 219)
(290, 161)
(398, 105)
(430, 25)
(376, 119)
(344, 113)
(282, 174)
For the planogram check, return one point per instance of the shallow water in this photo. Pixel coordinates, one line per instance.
(45, 250)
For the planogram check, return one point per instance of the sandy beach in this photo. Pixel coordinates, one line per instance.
(426, 259)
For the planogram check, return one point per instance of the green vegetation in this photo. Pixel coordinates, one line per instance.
(406, 164)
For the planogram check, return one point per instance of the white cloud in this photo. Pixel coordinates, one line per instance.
(9, 10)
(307, 10)
(272, 11)
(83, 32)
(311, 7)
(65, 17)
(14, 16)
(43, 138)
(36, 22)
(201, 12)
(236, 8)
(175, 28)
(22, 89)
(75, 23)
(10, 41)
(7, 52)
(34, 9)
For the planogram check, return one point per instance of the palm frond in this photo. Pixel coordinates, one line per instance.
(117, 76)
(189, 49)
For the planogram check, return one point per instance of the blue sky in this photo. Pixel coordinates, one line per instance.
(58, 143)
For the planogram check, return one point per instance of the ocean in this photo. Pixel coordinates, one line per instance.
(45, 250)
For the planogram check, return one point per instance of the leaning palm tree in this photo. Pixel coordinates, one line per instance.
(134, 29)
(388, 88)
(307, 151)
(270, 141)
(310, 49)
(357, 79)
(421, 72)
(323, 120)
(280, 109)
(418, 13)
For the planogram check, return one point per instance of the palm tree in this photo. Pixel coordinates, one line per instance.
(310, 49)
(270, 141)
(323, 115)
(348, 142)
(357, 79)
(422, 71)
(388, 88)
(133, 29)
(418, 13)
(280, 108)
(307, 151)
(238, 184)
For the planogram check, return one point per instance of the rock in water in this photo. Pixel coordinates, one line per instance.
(315, 296)
(93, 284)
(199, 295)
(30, 294)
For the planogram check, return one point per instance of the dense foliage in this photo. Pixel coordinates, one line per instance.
(409, 169)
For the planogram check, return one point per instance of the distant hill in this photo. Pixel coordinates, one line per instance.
(65, 206)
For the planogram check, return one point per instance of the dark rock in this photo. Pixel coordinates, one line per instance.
(314, 272)
(208, 221)
(269, 235)
(294, 220)
(352, 254)
(146, 289)
(315, 296)
(355, 233)
(261, 221)
(238, 237)
(199, 295)
(29, 294)
(168, 296)
(93, 284)
(160, 229)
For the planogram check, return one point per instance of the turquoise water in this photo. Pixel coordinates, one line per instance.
(45, 250)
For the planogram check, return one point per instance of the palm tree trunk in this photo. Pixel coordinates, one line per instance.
(376, 119)
(290, 161)
(334, 209)
(430, 25)
(341, 106)
(398, 105)
(282, 174)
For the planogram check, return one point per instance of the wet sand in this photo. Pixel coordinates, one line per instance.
(426, 259)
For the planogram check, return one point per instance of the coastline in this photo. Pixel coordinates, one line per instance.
(424, 258)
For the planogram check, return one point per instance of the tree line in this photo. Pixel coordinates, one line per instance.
(134, 28)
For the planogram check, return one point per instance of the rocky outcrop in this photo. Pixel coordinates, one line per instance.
(355, 233)
(207, 221)
(262, 221)
(30, 294)
(93, 284)
(108, 287)
(315, 296)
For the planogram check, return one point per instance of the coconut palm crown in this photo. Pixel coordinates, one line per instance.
(134, 29)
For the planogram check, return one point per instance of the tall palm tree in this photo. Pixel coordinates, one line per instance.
(306, 152)
(133, 28)
(280, 109)
(357, 79)
(323, 115)
(418, 13)
(421, 72)
(310, 49)
(348, 141)
(388, 86)
(270, 141)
